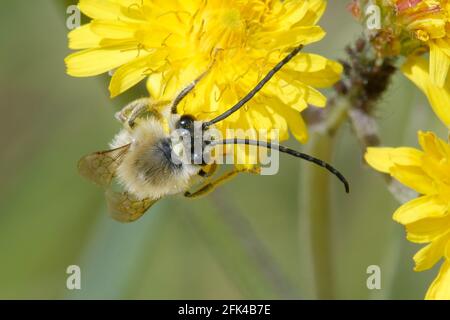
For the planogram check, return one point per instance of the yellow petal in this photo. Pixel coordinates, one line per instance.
(416, 69)
(314, 71)
(383, 159)
(280, 123)
(440, 288)
(163, 87)
(298, 127)
(414, 177)
(433, 146)
(288, 38)
(439, 64)
(258, 118)
(304, 62)
(154, 85)
(294, 119)
(107, 9)
(379, 158)
(96, 61)
(420, 208)
(439, 172)
(132, 73)
(127, 76)
(83, 38)
(426, 230)
(113, 29)
(315, 12)
(292, 12)
(291, 95)
(429, 255)
(314, 97)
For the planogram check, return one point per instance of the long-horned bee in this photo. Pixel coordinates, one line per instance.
(149, 161)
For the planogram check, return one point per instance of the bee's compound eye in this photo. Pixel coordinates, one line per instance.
(186, 122)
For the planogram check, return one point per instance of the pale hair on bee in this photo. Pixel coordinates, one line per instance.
(150, 162)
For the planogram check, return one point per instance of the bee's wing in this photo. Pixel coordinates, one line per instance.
(124, 207)
(100, 167)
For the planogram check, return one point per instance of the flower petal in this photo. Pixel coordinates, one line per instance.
(295, 36)
(439, 64)
(289, 94)
(314, 71)
(295, 121)
(383, 159)
(96, 61)
(426, 230)
(291, 12)
(420, 208)
(315, 12)
(83, 38)
(440, 288)
(106, 9)
(433, 146)
(127, 76)
(428, 256)
(113, 29)
(414, 177)
(416, 69)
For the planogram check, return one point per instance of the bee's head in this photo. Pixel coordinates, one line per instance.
(187, 141)
(186, 122)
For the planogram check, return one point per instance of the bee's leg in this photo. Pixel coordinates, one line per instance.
(136, 108)
(131, 111)
(208, 171)
(208, 187)
(183, 93)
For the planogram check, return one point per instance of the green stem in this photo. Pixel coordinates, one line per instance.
(316, 202)
(316, 205)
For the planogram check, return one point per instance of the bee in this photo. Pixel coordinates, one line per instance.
(150, 164)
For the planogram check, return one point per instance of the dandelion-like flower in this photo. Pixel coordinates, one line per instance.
(170, 43)
(426, 218)
(412, 27)
(427, 171)
(427, 20)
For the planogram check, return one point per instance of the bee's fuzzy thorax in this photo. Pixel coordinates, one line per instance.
(145, 170)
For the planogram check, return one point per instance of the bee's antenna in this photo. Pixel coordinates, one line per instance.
(287, 150)
(255, 90)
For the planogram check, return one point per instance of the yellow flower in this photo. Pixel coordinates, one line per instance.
(426, 218)
(170, 43)
(428, 21)
(416, 69)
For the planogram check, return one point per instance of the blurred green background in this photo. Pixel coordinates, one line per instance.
(247, 240)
